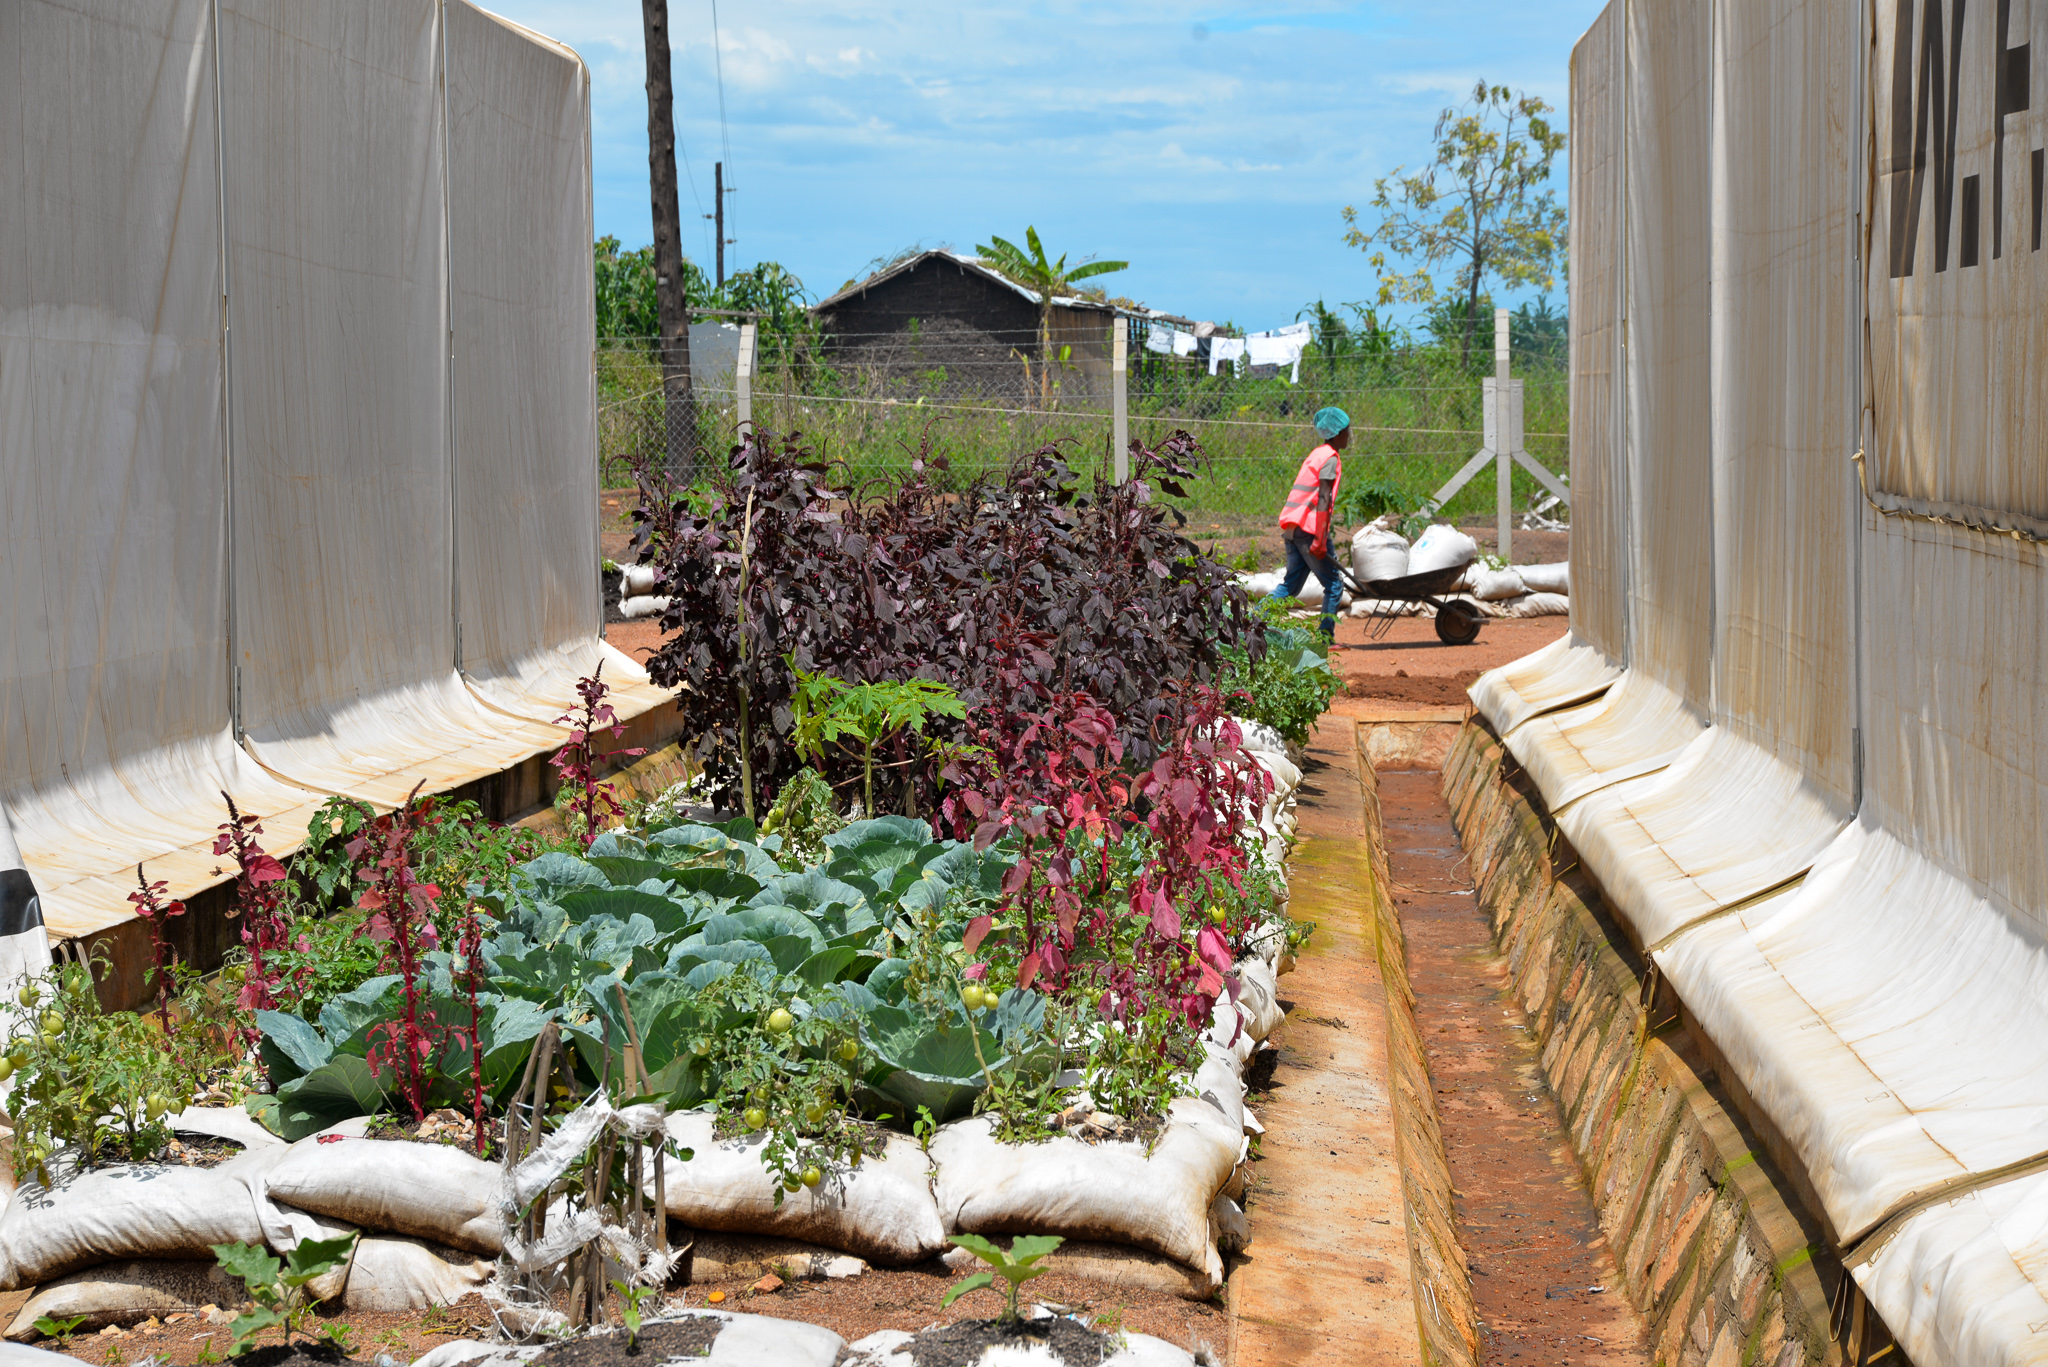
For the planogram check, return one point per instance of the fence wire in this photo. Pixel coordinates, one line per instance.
(981, 398)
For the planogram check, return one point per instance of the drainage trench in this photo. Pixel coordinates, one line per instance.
(1544, 1281)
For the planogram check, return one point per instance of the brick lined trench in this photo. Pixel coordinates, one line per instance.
(1544, 1281)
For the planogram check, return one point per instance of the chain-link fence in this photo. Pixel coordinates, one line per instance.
(981, 398)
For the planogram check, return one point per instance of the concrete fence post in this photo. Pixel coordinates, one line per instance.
(1119, 396)
(743, 375)
(1504, 451)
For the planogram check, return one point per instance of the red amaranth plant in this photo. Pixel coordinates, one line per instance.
(578, 761)
(401, 917)
(259, 894)
(156, 907)
(469, 946)
(1054, 779)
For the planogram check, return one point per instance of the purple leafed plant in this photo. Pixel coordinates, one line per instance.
(155, 906)
(401, 918)
(579, 760)
(259, 896)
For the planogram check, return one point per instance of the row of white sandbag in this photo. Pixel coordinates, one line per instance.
(1381, 553)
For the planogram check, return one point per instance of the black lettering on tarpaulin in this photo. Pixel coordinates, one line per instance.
(1928, 88)
(20, 910)
(2011, 97)
(2037, 159)
(1969, 244)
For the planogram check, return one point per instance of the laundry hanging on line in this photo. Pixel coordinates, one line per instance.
(1223, 349)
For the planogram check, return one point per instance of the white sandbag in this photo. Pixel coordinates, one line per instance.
(223, 1122)
(1229, 1032)
(643, 606)
(1535, 605)
(882, 1210)
(1220, 1082)
(1490, 586)
(1108, 1192)
(757, 1340)
(427, 1191)
(1384, 607)
(1286, 777)
(1260, 738)
(897, 1348)
(1227, 1218)
(1258, 995)
(1260, 583)
(410, 1274)
(1378, 553)
(126, 1291)
(1555, 578)
(635, 579)
(140, 1211)
(748, 1257)
(20, 1355)
(1440, 547)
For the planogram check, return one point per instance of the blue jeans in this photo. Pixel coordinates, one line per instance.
(1301, 560)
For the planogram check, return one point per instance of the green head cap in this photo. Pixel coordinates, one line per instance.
(1331, 421)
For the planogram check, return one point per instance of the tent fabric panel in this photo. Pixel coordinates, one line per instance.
(1668, 257)
(1599, 543)
(1637, 727)
(1784, 648)
(1564, 672)
(1965, 1283)
(1726, 821)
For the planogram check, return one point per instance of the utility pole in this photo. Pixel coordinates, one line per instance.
(718, 194)
(672, 302)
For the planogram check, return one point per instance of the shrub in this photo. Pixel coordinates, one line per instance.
(1075, 589)
(1289, 685)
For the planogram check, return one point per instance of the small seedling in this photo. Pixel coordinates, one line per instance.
(634, 1297)
(60, 1330)
(1016, 1267)
(924, 1127)
(279, 1290)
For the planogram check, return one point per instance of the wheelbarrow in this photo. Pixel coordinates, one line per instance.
(1457, 621)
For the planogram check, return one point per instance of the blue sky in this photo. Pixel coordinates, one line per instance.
(1212, 149)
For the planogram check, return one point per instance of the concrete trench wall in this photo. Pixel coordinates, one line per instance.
(1724, 1268)
(1445, 1313)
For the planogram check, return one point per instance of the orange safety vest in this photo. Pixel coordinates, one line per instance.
(1300, 509)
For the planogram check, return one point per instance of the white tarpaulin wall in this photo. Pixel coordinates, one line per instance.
(130, 425)
(1877, 989)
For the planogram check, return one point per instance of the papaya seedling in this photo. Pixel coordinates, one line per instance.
(50, 1327)
(1016, 1267)
(279, 1289)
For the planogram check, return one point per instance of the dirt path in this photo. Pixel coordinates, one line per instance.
(1326, 1277)
(1543, 1276)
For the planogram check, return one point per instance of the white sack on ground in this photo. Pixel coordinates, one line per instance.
(1384, 607)
(1113, 1264)
(1845, 1007)
(428, 1191)
(1258, 995)
(1109, 1192)
(635, 579)
(1260, 583)
(1533, 605)
(223, 1122)
(1491, 586)
(882, 1210)
(644, 606)
(1555, 578)
(746, 1257)
(1635, 728)
(122, 1292)
(1219, 1081)
(114, 1213)
(409, 1274)
(1440, 547)
(1257, 736)
(1378, 553)
(894, 1348)
(1725, 821)
(1564, 672)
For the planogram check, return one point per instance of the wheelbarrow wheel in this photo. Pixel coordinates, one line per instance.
(1457, 623)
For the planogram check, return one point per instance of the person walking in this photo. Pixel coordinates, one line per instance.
(1306, 517)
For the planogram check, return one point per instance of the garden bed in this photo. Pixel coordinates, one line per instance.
(546, 1068)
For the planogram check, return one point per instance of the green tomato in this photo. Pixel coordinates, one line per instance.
(19, 1058)
(816, 1112)
(6, 1068)
(812, 1176)
(701, 1048)
(756, 1118)
(1217, 915)
(849, 1051)
(779, 1021)
(971, 996)
(792, 1184)
(28, 995)
(157, 1106)
(53, 1020)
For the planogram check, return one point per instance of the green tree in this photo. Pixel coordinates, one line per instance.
(1478, 206)
(1031, 269)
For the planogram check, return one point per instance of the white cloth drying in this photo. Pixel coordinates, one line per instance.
(1276, 349)
(1223, 349)
(1184, 343)
(1159, 339)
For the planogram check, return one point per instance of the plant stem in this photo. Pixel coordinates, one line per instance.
(746, 732)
